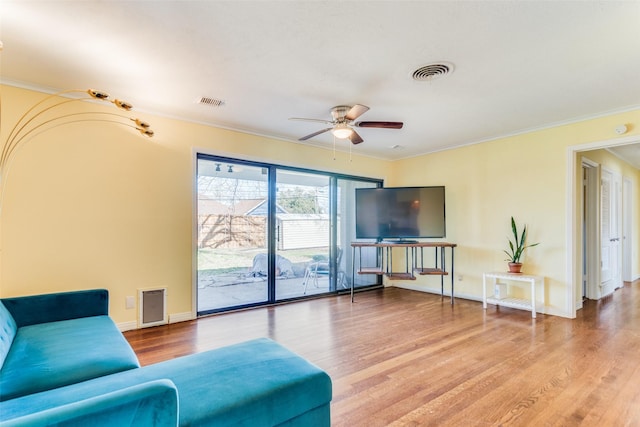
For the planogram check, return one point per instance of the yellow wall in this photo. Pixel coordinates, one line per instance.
(523, 176)
(97, 205)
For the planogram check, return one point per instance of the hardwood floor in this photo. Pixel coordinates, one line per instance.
(406, 358)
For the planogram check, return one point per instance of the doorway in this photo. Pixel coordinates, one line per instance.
(576, 226)
(601, 231)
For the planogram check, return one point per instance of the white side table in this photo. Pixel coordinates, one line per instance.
(507, 301)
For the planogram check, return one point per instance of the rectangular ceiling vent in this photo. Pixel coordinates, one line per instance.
(211, 102)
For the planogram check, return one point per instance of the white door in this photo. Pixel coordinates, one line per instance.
(627, 215)
(590, 231)
(611, 262)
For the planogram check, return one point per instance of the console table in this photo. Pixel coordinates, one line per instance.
(507, 301)
(414, 261)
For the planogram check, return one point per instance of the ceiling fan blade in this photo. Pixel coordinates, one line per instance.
(356, 111)
(384, 125)
(302, 119)
(311, 135)
(355, 138)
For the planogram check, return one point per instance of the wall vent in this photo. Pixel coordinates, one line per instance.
(153, 307)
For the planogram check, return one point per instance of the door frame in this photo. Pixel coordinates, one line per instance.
(573, 219)
(627, 228)
(273, 165)
(590, 234)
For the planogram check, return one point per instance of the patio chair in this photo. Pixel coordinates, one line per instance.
(317, 269)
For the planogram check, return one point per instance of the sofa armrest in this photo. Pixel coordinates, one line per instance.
(34, 309)
(151, 403)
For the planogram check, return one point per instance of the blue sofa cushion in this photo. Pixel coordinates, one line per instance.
(49, 355)
(255, 383)
(148, 404)
(8, 330)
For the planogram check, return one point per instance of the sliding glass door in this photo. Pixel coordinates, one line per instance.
(232, 217)
(267, 233)
(346, 226)
(302, 234)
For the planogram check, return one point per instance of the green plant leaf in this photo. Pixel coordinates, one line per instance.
(517, 249)
(514, 229)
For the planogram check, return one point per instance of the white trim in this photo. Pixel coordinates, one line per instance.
(543, 309)
(181, 317)
(595, 145)
(432, 290)
(572, 262)
(127, 326)
(593, 232)
(218, 125)
(571, 265)
(194, 233)
(254, 132)
(173, 318)
(530, 130)
(627, 227)
(590, 162)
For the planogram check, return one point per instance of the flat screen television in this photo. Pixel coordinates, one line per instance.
(400, 213)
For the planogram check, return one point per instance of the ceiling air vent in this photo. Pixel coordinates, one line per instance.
(211, 102)
(432, 71)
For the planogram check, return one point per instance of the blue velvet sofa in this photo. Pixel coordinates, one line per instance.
(64, 362)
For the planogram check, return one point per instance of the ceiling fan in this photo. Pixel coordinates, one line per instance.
(343, 123)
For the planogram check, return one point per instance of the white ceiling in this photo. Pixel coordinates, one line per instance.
(518, 65)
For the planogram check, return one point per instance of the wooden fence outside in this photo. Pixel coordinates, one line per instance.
(232, 231)
(295, 231)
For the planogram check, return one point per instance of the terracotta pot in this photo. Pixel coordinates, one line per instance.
(515, 267)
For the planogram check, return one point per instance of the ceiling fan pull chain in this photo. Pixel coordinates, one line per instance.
(350, 150)
(334, 147)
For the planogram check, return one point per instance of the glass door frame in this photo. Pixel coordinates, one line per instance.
(272, 226)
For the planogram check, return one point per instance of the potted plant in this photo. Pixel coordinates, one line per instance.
(517, 247)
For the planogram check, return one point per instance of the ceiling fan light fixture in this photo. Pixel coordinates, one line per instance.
(343, 125)
(342, 131)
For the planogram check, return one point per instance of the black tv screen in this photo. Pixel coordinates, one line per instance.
(400, 213)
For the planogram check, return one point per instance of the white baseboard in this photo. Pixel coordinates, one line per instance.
(181, 317)
(552, 311)
(173, 318)
(127, 326)
(447, 293)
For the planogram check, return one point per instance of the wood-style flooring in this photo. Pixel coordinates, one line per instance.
(405, 358)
